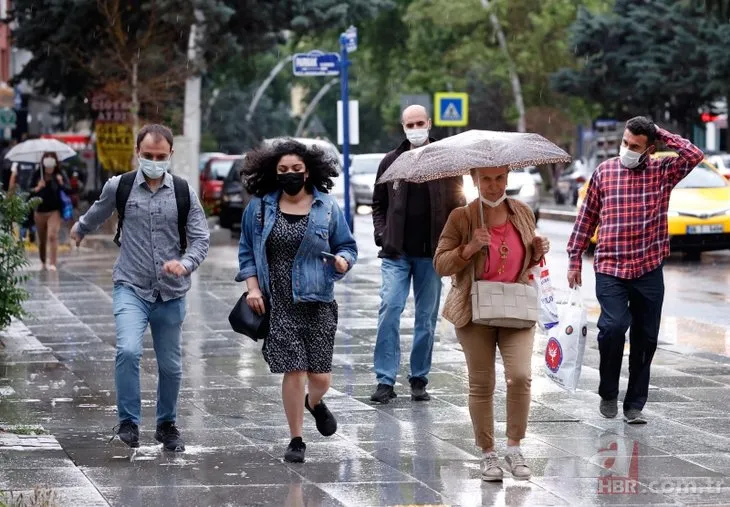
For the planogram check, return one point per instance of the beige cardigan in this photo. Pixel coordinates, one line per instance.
(456, 235)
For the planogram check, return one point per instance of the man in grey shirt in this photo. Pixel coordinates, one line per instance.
(151, 277)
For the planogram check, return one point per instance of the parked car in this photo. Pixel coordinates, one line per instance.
(520, 185)
(722, 162)
(363, 172)
(207, 155)
(338, 190)
(211, 180)
(234, 198)
(699, 211)
(570, 182)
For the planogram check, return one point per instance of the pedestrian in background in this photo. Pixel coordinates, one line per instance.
(408, 219)
(295, 243)
(502, 249)
(159, 251)
(629, 197)
(48, 183)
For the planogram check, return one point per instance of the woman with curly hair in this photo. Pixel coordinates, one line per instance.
(295, 243)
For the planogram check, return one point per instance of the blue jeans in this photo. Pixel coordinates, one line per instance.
(132, 314)
(396, 285)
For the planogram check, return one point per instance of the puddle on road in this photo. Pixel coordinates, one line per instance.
(701, 336)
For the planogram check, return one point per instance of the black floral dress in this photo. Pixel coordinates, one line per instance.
(301, 335)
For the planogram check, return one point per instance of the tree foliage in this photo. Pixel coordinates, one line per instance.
(648, 57)
(13, 209)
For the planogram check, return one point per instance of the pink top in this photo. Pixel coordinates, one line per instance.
(511, 266)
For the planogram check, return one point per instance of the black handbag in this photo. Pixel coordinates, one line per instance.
(243, 319)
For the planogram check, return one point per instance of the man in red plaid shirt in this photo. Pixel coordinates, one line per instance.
(628, 197)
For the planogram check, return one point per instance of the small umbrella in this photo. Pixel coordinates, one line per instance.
(31, 151)
(457, 155)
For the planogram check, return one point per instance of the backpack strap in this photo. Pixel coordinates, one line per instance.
(126, 182)
(182, 199)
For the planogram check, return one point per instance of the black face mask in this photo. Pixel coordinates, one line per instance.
(291, 183)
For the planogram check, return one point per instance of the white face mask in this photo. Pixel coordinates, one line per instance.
(49, 163)
(153, 169)
(417, 137)
(494, 204)
(630, 159)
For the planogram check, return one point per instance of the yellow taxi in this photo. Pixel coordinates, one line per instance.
(699, 210)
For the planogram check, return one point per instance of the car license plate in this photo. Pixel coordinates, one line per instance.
(705, 229)
(563, 186)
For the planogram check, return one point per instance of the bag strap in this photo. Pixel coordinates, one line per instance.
(182, 201)
(575, 297)
(263, 214)
(126, 182)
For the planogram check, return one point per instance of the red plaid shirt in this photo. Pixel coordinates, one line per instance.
(630, 207)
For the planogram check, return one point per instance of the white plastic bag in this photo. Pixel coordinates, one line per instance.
(567, 344)
(540, 280)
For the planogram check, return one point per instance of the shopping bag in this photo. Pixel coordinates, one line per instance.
(567, 343)
(540, 279)
(68, 207)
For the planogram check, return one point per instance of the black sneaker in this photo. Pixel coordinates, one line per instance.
(295, 452)
(326, 422)
(609, 408)
(169, 436)
(418, 390)
(383, 394)
(634, 416)
(128, 432)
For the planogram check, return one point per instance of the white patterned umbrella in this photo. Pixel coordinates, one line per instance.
(457, 155)
(32, 150)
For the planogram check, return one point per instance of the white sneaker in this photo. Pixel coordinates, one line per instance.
(491, 471)
(517, 465)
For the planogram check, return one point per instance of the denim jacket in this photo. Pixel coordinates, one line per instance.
(327, 231)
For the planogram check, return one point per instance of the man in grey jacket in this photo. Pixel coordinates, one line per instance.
(151, 277)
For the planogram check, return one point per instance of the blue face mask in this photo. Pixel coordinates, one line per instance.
(153, 169)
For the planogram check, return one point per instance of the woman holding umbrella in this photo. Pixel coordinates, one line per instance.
(492, 239)
(48, 183)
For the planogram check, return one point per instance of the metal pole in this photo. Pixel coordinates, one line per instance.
(345, 92)
(313, 105)
(191, 119)
(264, 85)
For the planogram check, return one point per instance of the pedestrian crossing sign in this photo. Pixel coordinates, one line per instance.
(452, 109)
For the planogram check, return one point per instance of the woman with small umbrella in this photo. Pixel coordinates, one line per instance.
(491, 239)
(48, 183)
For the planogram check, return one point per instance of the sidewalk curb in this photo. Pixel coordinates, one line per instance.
(558, 214)
(19, 345)
(218, 237)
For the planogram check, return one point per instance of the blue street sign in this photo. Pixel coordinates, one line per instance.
(452, 109)
(316, 63)
(351, 39)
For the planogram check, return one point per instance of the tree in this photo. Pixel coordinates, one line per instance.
(641, 58)
(13, 209)
(134, 49)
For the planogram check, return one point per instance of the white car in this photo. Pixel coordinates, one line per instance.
(722, 162)
(521, 185)
(363, 173)
(338, 190)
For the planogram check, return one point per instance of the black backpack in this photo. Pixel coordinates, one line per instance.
(182, 199)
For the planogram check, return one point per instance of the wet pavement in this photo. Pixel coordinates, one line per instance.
(404, 453)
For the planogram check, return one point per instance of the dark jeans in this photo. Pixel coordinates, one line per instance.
(638, 304)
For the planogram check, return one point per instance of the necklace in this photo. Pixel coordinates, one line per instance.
(503, 252)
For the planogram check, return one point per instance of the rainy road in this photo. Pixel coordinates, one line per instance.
(397, 454)
(697, 295)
